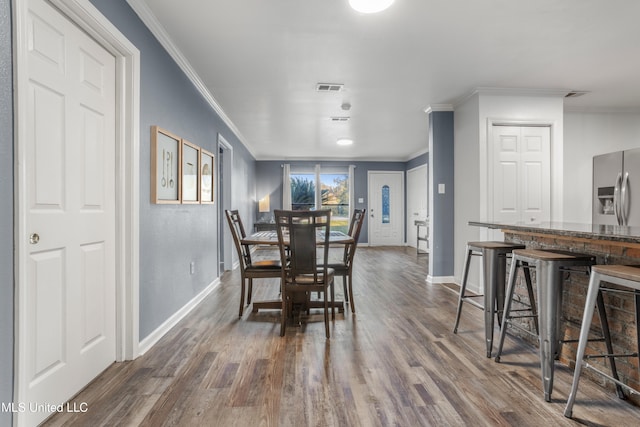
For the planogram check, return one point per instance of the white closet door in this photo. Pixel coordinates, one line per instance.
(67, 323)
(521, 174)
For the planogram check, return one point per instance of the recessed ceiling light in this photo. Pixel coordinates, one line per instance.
(344, 141)
(370, 6)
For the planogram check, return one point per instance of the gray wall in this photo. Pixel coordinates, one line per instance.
(6, 212)
(269, 176)
(441, 215)
(173, 236)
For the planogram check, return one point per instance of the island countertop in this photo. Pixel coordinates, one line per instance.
(569, 229)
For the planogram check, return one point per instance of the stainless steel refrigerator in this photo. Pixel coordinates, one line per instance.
(616, 188)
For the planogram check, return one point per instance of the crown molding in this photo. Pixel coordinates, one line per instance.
(503, 91)
(438, 107)
(151, 22)
(417, 154)
(601, 110)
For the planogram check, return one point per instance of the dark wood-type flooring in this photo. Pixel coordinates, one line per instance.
(395, 363)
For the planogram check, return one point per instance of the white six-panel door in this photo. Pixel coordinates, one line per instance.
(66, 333)
(521, 174)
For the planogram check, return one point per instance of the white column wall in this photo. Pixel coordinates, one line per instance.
(471, 124)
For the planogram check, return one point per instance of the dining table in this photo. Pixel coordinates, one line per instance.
(270, 238)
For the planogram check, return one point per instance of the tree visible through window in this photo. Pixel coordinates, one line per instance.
(334, 191)
(333, 194)
(303, 192)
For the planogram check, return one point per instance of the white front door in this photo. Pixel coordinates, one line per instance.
(417, 198)
(66, 326)
(521, 174)
(386, 208)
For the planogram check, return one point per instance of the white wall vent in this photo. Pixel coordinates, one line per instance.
(329, 87)
(340, 118)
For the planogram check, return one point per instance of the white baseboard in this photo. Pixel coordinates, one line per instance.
(155, 336)
(436, 280)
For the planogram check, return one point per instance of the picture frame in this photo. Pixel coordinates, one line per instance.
(190, 166)
(165, 166)
(206, 177)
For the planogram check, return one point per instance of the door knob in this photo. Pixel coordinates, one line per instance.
(34, 238)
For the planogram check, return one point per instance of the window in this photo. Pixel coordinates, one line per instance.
(334, 192)
(303, 191)
(322, 188)
(385, 204)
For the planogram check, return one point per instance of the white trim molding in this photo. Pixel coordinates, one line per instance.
(438, 280)
(438, 107)
(90, 19)
(141, 8)
(155, 336)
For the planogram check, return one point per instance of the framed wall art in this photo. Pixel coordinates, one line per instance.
(165, 166)
(206, 177)
(190, 172)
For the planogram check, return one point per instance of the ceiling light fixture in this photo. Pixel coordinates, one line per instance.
(344, 141)
(370, 6)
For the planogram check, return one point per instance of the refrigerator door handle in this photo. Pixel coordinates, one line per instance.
(624, 199)
(616, 198)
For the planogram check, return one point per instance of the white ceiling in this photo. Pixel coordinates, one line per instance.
(261, 60)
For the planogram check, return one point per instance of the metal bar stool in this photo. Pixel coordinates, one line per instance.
(494, 261)
(549, 266)
(622, 275)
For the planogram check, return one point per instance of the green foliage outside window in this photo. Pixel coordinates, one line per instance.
(334, 195)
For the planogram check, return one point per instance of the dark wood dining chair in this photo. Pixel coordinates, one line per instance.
(344, 267)
(303, 240)
(249, 269)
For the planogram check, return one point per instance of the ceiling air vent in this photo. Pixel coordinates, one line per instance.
(340, 118)
(575, 93)
(329, 87)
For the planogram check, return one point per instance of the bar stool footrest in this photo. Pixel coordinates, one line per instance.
(473, 303)
(520, 328)
(530, 316)
(610, 378)
(603, 355)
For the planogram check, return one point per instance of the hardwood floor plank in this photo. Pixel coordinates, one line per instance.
(395, 362)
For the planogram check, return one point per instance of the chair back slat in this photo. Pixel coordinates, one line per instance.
(238, 233)
(355, 225)
(303, 238)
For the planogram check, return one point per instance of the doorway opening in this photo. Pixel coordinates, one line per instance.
(225, 201)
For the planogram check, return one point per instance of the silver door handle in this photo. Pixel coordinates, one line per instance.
(624, 199)
(34, 238)
(616, 198)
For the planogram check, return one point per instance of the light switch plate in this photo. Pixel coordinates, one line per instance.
(440, 188)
